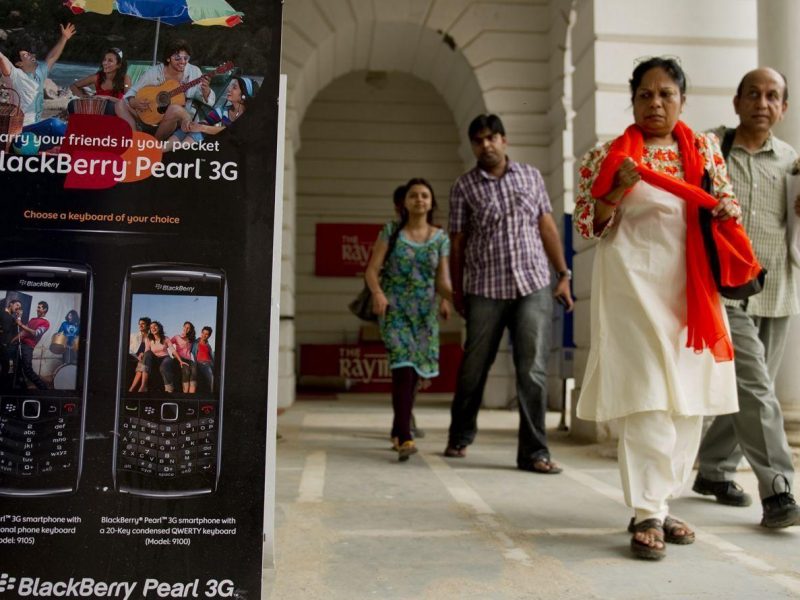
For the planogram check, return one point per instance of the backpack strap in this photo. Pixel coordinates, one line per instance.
(392, 241)
(727, 142)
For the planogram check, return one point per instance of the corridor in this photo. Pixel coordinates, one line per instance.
(352, 522)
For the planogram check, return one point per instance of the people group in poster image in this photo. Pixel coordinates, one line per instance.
(33, 354)
(171, 100)
(173, 357)
(140, 106)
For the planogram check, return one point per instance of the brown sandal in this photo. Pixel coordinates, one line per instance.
(643, 550)
(455, 451)
(671, 528)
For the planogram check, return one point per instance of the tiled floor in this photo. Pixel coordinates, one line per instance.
(354, 523)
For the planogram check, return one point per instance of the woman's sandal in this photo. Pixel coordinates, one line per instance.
(640, 549)
(405, 450)
(672, 527)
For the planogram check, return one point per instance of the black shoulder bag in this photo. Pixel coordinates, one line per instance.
(361, 306)
(755, 285)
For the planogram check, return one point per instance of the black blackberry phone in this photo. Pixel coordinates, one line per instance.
(45, 320)
(170, 381)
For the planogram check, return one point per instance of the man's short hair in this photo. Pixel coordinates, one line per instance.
(146, 320)
(485, 121)
(44, 305)
(208, 329)
(174, 47)
(740, 87)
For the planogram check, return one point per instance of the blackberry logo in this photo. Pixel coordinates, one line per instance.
(6, 582)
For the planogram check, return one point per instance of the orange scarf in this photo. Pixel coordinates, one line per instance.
(738, 263)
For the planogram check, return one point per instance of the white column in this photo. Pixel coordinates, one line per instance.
(778, 25)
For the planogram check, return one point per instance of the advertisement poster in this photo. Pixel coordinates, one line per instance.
(364, 367)
(138, 204)
(343, 249)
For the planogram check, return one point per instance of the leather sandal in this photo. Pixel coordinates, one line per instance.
(671, 528)
(455, 451)
(405, 450)
(643, 550)
(544, 466)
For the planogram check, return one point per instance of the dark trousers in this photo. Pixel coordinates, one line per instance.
(7, 353)
(528, 320)
(404, 390)
(27, 367)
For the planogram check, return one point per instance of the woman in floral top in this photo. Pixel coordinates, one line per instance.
(646, 298)
(404, 298)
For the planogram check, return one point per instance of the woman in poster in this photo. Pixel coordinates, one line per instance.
(110, 82)
(183, 344)
(157, 353)
(404, 285)
(240, 91)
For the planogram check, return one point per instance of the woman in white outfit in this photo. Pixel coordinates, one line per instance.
(661, 357)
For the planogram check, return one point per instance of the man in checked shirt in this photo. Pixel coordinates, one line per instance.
(757, 165)
(502, 237)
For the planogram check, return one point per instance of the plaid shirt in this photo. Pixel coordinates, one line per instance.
(504, 256)
(759, 181)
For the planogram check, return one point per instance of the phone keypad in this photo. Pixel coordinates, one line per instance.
(38, 436)
(168, 439)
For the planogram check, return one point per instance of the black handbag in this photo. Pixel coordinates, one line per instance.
(361, 306)
(739, 292)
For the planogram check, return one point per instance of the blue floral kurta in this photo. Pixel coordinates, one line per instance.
(410, 329)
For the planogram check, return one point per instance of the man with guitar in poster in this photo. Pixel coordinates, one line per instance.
(175, 69)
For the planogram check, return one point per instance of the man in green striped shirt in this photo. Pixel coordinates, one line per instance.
(757, 165)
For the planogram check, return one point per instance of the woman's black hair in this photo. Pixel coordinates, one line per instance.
(404, 213)
(247, 94)
(118, 85)
(670, 67)
(192, 335)
(76, 320)
(160, 328)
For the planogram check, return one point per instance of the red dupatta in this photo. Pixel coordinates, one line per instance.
(738, 263)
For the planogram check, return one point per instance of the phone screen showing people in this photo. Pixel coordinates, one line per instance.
(44, 326)
(170, 381)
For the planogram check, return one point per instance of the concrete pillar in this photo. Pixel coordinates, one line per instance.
(778, 21)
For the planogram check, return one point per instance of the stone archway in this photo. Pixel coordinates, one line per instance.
(482, 56)
(363, 135)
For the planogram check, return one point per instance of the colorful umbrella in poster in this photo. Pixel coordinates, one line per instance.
(171, 12)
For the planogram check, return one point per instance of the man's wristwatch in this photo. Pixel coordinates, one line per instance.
(565, 273)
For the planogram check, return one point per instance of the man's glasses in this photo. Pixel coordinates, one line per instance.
(181, 57)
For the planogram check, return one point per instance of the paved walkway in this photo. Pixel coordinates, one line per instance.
(354, 523)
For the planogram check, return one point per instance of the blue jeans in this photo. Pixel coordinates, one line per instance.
(528, 320)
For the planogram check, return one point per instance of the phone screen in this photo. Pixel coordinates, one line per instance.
(44, 325)
(170, 388)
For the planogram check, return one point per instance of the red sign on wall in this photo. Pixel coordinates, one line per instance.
(367, 368)
(343, 249)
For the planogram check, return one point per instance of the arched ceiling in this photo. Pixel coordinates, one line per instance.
(325, 39)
